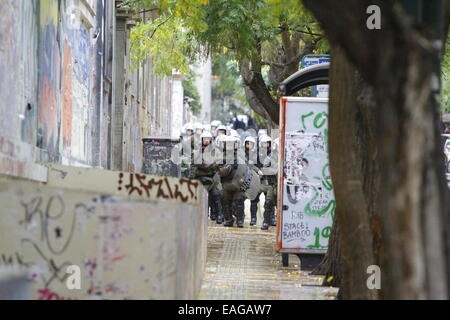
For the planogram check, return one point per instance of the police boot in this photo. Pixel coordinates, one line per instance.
(229, 223)
(229, 220)
(233, 209)
(273, 221)
(240, 211)
(217, 205)
(212, 209)
(273, 218)
(254, 211)
(268, 208)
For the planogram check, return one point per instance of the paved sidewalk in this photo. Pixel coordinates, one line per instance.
(244, 264)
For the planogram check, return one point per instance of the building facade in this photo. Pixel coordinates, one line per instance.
(69, 95)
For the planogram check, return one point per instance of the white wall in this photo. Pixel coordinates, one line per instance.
(177, 111)
(204, 87)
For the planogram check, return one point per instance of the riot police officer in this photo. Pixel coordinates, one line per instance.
(238, 180)
(189, 130)
(205, 169)
(198, 130)
(187, 148)
(222, 130)
(214, 125)
(231, 164)
(251, 158)
(269, 168)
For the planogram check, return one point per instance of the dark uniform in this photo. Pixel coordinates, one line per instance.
(205, 169)
(251, 158)
(238, 181)
(269, 167)
(187, 152)
(232, 165)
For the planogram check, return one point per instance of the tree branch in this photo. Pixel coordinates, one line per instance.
(148, 10)
(159, 25)
(271, 63)
(257, 92)
(302, 31)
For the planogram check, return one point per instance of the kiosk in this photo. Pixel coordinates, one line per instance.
(306, 201)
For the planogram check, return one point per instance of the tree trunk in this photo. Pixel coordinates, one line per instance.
(400, 63)
(330, 267)
(257, 93)
(356, 112)
(346, 153)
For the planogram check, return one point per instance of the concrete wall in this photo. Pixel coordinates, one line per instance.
(129, 241)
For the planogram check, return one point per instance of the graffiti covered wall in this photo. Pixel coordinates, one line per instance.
(68, 48)
(136, 246)
(18, 90)
(68, 86)
(49, 70)
(18, 73)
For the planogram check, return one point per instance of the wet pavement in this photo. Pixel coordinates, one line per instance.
(243, 264)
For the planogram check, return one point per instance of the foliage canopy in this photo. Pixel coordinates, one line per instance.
(185, 30)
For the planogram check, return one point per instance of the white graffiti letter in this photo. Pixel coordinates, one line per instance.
(374, 280)
(73, 282)
(374, 21)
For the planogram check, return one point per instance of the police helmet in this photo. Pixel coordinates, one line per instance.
(264, 139)
(222, 128)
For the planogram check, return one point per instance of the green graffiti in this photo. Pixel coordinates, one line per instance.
(326, 233)
(309, 211)
(327, 184)
(323, 116)
(319, 120)
(316, 244)
(306, 116)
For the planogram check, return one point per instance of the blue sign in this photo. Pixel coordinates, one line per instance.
(312, 59)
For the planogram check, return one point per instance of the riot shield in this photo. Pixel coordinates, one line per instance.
(247, 181)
